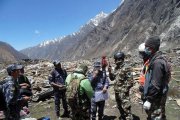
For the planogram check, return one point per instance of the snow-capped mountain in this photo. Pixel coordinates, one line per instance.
(52, 49)
(122, 30)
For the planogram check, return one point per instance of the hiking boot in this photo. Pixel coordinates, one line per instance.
(65, 114)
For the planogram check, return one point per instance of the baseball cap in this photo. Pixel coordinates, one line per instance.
(13, 67)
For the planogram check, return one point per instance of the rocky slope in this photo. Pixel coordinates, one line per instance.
(9, 54)
(132, 23)
(124, 29)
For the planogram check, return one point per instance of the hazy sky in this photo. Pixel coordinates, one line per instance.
(26, 23)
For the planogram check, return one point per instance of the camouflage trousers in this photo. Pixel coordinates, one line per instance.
(157, 111)
(80, 114)
(124, 106)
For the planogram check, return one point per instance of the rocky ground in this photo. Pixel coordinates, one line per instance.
(111, 112)
(38, 70)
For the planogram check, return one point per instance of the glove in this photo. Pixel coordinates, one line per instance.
(141, 89)
(147, 105)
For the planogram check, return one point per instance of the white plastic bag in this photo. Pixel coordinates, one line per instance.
(100, 96)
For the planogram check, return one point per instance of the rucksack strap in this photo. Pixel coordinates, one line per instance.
(104, 77)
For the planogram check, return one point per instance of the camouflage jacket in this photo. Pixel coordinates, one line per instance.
(123, 78)
(12, 98)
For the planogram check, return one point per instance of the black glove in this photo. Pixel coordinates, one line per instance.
(141, 89)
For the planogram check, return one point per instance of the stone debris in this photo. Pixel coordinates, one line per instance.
(178, 102)
(38, 71)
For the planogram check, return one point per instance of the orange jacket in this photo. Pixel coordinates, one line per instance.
(143, 73)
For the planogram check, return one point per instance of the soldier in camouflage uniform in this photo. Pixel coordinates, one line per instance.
(11, 92)
(123, 82)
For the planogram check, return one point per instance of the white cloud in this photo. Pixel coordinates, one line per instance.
(37, 32)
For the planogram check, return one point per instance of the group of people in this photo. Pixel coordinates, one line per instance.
(86, 104)
(84, 95)
(15, 92)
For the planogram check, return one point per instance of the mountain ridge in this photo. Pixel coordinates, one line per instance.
(123, 30)
(57, 47)
(9, 54)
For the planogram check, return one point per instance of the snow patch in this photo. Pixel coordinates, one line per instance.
(98, 18)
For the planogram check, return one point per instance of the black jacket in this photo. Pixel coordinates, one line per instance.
(155, 77)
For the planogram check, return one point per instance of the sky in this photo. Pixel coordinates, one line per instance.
(27, 23)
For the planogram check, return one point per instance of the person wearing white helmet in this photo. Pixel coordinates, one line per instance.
(143, 56)
(142, 53)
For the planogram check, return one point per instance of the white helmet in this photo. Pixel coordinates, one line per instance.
(141, 47)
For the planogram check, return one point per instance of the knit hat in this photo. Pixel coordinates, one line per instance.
(153, 42)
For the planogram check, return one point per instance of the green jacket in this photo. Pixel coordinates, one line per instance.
(85, 85)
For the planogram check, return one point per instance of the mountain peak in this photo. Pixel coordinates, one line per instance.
(98, 18)
(48, 42)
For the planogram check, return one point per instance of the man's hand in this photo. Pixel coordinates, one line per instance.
(24, 85)
(104, 89)
(26, 98)
(60, 85)
(109, 69)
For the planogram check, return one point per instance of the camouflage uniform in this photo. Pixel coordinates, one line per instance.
(123, 83)
(82, 110)
(13, 100)
(157, 110)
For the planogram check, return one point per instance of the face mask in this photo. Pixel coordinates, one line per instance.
(148, 52)
(143, 55)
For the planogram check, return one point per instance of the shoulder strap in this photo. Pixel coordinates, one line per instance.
(25, 78)
(104, 77)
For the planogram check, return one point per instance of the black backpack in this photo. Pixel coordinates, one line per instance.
(168, 68)
(167, 75)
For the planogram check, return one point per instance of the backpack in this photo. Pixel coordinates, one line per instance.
(73, 93)
(2, 100)
(168, 70)
(167, 76)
